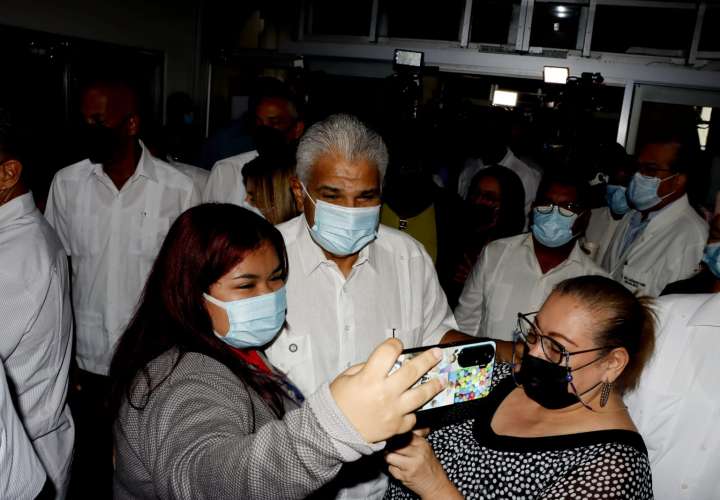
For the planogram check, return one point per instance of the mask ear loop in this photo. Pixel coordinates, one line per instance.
(569, 379)
(302, 184)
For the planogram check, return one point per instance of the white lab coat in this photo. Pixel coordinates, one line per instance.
(599, 233)
(676, 406)
(668, 249)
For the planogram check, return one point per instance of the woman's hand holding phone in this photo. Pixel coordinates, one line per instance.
(379, 404)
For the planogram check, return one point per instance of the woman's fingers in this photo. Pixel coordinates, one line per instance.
(411, 371)
(383, 357)
(416, 397)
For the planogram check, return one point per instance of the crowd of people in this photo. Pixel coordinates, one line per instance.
(170, 332)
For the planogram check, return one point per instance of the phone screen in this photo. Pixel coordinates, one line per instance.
(466, 369)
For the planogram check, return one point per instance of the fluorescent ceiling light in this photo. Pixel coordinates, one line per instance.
(706, 114)
(552, 74)
(504, 98)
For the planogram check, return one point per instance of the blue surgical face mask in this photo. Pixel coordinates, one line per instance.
(643, 191)
(343, 231)
(617, 199)
(553, 229)
(254, 321)
(711, 257)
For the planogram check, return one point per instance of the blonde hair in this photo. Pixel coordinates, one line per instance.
(269, 181)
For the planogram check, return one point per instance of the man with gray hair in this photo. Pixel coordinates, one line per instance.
(353, 283)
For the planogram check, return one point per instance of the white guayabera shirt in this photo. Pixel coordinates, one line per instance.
(36, 340)
(506, 280)
(334, 322)
(225, 184)
(113, 237)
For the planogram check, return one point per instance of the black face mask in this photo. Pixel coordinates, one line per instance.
(482, 216)
(101, 142)
(547, 383)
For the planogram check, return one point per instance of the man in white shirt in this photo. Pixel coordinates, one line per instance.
(662, 239)
(276, 120)
(676, 406)
(516, 274)
(490, 144)
(36, 340)
(22, 475)
(112, 212)
(620, 168)
(352, 283)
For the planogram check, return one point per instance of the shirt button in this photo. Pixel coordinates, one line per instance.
(292, 347)
(684, 486)
(347, 328)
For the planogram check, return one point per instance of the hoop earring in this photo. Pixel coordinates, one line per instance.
(605, 393)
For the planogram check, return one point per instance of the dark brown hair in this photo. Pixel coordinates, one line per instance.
(203, 244)
(623, 320)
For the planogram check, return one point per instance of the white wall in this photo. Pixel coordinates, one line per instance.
(165, 25)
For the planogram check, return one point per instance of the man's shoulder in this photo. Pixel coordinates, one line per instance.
(77, 170)
(171, 176)
(235, 162)
(290, 230)
(40, 250)
(397, 242)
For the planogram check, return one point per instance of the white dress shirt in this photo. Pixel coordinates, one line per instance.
(599, 232)
(669, 248)
(334, 322)
(225, 184)
(506, 280)
(198, 175)
(21, 474)
(36, 340)
(112, 237)
(676, 406)
(529, 176)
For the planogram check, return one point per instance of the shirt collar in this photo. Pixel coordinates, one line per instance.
(16, 208)
(312, 255)
(145, 167)
(577, 254)
(707, 314)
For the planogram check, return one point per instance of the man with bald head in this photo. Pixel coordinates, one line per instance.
(111, 212)
(278, 124)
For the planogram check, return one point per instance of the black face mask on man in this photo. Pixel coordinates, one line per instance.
(101, 142)
(547, 383)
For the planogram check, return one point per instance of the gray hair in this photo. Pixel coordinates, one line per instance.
(342, 135)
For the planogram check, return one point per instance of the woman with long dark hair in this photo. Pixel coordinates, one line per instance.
(200, 412)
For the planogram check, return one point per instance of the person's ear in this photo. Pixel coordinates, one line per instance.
(133, 125)
(680, 182)
(298, 193)
(10, 173)
(298, 129)
(615, 363)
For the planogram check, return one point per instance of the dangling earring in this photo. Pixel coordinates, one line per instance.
(605, 393)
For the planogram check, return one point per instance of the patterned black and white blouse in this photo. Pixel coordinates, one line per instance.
(610, 464)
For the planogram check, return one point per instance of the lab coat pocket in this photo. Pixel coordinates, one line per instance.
(292, 355)
(148, 234)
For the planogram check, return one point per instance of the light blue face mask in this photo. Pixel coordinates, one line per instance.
(711, 257)
(255, 321)
(552, 229)
(343, 231)
(643, 191)
(617, 199)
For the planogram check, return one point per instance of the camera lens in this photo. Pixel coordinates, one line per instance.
(476, 356)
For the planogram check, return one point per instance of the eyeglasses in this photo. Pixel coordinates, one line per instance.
(566, 209)
(554, 351)
(651, 169)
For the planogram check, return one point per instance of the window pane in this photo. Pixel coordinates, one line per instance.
(710, 36)
(555, 25)
(632, 29)
(423, 19)
(491, 20)
(330, 17)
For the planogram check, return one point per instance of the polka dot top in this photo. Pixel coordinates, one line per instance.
(610, 464)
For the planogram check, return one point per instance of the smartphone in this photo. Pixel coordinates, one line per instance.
(466, 368)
